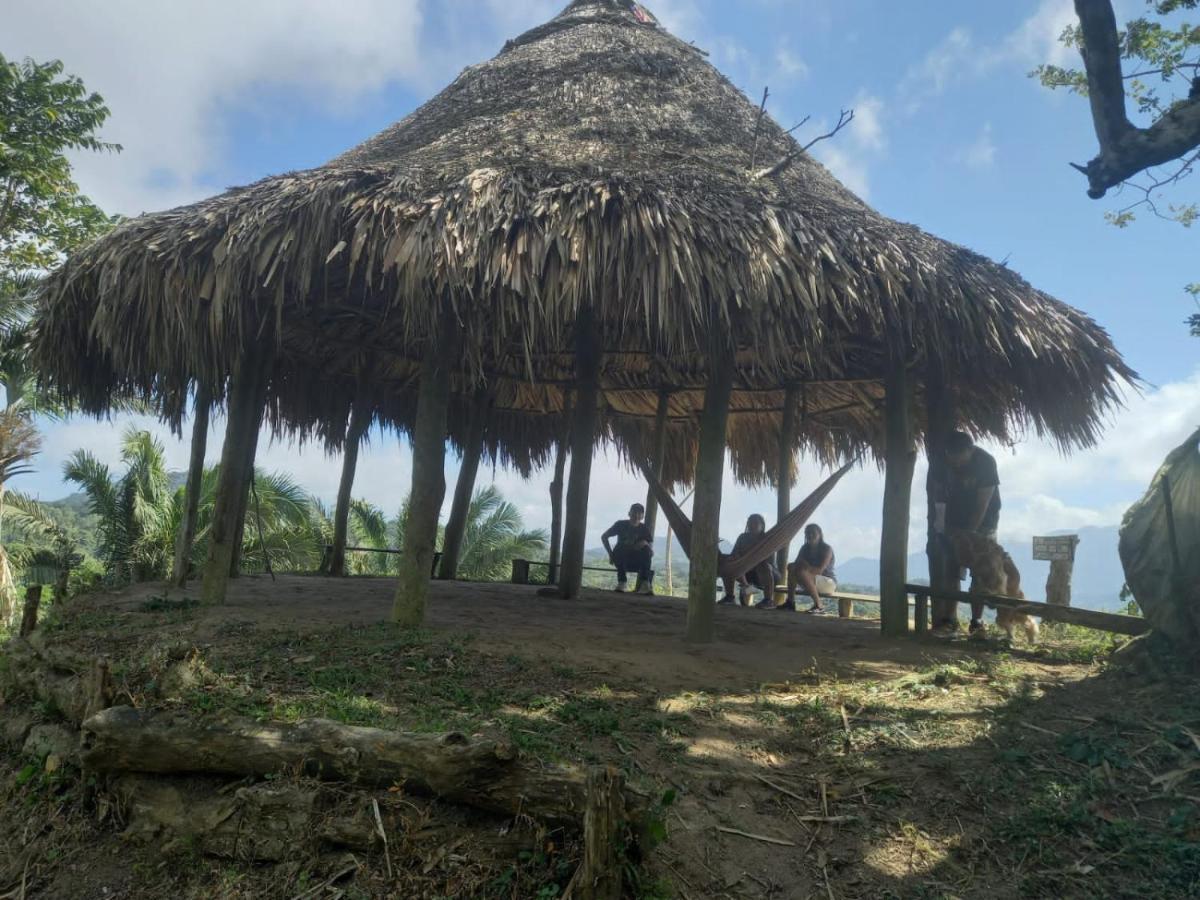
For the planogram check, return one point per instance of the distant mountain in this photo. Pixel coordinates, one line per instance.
(1098, 573)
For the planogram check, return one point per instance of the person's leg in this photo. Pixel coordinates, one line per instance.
(793, 578)
(808, 579)
(727, 581)
(620, 560)
(645, 570)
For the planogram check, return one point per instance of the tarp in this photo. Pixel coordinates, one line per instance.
(1164, 576)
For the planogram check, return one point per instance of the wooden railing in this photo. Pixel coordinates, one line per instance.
(1116, 623)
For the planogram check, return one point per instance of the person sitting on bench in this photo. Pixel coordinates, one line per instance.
(812, 570)
(754, 581)
(634, 550)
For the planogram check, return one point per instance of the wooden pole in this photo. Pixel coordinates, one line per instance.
(706, 508)
(428, 477)
(247, 393)
(191, 491)
(897, 494)
(464, 490)
(658, 457)
(600, 873)
(243, 499)
(940, 421)
(783, 477)
(1058, 583)
(588, 354)
(361, 415)
(556, 494)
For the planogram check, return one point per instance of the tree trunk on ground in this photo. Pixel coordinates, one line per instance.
(706, 508)
(583, 441)
(191, 492)
(247, 394)
(464, 490)
(428, 479)
(658, 457)
(486, 774)
(897, 495)
(940, 422)
(600, 874)
(783, 477)
(556, 498)
(360, 420)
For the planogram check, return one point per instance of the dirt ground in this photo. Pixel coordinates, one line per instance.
(795, 757)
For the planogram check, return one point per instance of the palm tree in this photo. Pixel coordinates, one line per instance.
(19, 443)
(140, 515)
(495, 536)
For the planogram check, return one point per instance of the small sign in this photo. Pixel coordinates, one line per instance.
(1060, 548)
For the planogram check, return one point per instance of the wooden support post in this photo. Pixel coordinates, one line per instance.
(520, 571)
(239, 541)
(361, 415)
(900, 459)
(921, 613)
(600, 873)
(783, 476)
(706, 508)
(940, 422)
(588, 354)
(428, 477)
(845, 608)
(464, 489)
(247, 393)
(556, 491)
(29, 615)
(191, 491)
(1058, 583)
(658, 457)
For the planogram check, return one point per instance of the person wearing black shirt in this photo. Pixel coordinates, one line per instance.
(633, 551)
(972, 497)
(813, 570)
(757, 580)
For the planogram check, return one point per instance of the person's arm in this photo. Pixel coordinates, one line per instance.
(608, 535)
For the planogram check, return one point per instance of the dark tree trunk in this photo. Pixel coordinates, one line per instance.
(556, 493)
(247, 394)
(248, 463)
(706, 507)
(428, 479)
(897, 495)
(191, 492)
(29, 614)
(658, 457)
(583, 440)
(464, 490)
(940, 421)
(360, 420)
(783, 478)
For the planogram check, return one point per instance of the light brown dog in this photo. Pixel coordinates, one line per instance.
(993, 572)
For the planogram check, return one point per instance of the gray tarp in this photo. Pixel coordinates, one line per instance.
(1169, 597)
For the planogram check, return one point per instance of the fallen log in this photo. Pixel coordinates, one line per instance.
(1116, 623)
(483, 773)
(600, 874)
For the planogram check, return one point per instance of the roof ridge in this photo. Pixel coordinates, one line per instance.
(626, 13)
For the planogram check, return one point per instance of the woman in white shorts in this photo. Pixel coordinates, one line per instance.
(813, 570)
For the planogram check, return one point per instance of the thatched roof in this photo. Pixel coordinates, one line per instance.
(597, 161)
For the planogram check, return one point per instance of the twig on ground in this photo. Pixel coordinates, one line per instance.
(337, 876)
(779, 788)
(755, 837)
(387, 854)
(1033, 727)
(828, 820)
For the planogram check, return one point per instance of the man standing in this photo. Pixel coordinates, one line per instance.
(972, 497)
(633, 551)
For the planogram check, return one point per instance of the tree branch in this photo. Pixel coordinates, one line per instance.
(846, 117)
(1124, 149)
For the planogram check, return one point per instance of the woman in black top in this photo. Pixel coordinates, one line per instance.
(813, 570)
(757, 580)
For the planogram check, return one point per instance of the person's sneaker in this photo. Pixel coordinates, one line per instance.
(622, 587)
(646, 588)
(765, 603)
(727, 600)
(976, 627)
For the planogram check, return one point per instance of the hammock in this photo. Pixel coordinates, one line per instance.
(768, 545)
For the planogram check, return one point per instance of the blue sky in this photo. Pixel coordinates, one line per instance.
(950, 135)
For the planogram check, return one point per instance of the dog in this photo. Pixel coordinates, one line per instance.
(994, 572)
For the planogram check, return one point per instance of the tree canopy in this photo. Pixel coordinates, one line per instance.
(44, 114)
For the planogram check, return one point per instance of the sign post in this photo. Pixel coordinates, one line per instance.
(1060, 551)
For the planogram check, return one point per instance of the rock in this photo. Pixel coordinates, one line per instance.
(45, 741)
(16, 728)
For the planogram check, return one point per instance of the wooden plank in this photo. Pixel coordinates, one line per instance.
(1087, 618)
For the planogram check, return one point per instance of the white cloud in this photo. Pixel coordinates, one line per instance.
(981, 152)
(789, 64)
(1037, 41)
(867, 127)
(167, 71)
